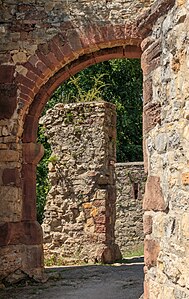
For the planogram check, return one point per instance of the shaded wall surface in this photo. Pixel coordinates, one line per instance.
(130, 183)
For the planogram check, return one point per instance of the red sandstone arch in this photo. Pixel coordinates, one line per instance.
(41, 98)
(66, 54)
(54, 62)
(30, 149)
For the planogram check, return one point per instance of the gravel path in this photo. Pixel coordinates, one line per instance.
(118, 281)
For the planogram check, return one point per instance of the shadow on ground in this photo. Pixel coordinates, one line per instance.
(123, 280)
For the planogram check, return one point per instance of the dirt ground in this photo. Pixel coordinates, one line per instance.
(118, 281)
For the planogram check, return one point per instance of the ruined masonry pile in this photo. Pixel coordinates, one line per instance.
(80, 209)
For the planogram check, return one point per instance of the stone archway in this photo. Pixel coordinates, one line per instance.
(34, 53)
(34, 113)
(36, 80)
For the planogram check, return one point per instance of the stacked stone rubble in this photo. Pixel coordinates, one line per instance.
(80, 209)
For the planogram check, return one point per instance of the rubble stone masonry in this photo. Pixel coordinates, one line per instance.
(80, 210)
(43, 43)
(165, 62)
(130, 182)
(81, 171)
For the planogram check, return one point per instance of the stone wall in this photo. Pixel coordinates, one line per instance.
(165, 62)
(43, 43)
(21, 248)
(82, 137)
(80, 208)
(26, 24)
(130, 182)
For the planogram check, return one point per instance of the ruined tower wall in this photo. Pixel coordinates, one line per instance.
(80, 208)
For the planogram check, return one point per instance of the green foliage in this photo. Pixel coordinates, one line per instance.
(138, 250)
(79, 94)
(42, 184)
(53, 159)
(53, 260)
(68, 118)
(115, 81)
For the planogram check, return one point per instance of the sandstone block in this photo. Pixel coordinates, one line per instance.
(151, 116)
(99, 203)
(100, 219)
(29, 194)
(152, 51)
(185, 178)
(8, 99)
(153, 197)
(149, 66)
(147, 224)
(147, 91)
(9, 156)
(146, 290)
(100, 228)
(146, 42)
(32, 261)
(145, 155)
(6, 73)
(151, 252)
(107, 254)
(32, 152)
(11, 176)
